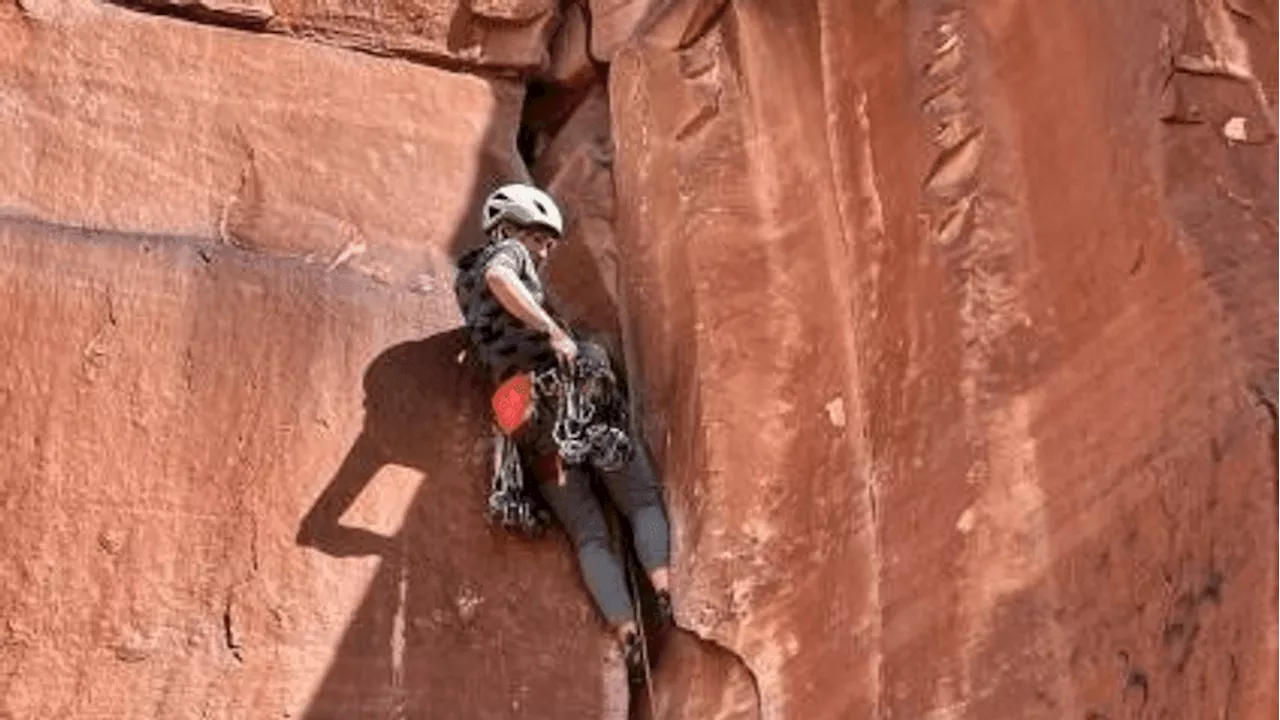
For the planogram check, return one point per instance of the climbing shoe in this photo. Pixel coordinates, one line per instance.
(666, 614)
(633, 654)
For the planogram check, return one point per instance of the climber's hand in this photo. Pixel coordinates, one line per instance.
(566, 349)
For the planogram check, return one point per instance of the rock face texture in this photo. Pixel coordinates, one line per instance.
(960, 350)
(952, 325)
(497, 35)
(245, 465)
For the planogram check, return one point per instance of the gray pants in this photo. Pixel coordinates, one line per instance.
(636, 493)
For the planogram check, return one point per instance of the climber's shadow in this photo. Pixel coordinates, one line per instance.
(446, 614)
(423, 411)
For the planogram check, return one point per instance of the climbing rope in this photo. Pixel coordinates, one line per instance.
(644, 641)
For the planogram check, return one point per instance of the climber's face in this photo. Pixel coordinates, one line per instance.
(539, 242)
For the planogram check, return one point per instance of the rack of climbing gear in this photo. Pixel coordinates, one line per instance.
(512, 504)
(591, 414)
(590, 427)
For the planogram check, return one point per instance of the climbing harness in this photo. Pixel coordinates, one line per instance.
(590, 420)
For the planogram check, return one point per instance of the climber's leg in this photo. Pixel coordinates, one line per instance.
(577, 509)
(636, 492)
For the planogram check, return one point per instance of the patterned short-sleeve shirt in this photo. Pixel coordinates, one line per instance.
(502, 341)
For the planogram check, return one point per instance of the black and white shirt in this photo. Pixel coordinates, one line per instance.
(502, 341)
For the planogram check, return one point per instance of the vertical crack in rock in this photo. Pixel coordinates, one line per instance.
(860, 213)
(694, 676)
(229, 639)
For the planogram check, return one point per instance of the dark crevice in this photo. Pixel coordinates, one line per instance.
(229, 634)
(696, 676)
(198, 14)
(873, 504)
(547, 108)
(679, 656)
(530, 138)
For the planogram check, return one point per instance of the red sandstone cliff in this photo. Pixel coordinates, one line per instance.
(954, 326)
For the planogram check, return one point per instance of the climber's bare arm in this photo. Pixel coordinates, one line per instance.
(515, 297)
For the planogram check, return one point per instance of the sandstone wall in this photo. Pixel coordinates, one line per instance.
(958, 338)
(245, 467)
(953, 326)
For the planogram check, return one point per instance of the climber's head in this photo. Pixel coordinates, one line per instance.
(525, 213)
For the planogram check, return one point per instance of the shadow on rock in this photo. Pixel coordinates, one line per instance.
(460, 619)
(422, 409)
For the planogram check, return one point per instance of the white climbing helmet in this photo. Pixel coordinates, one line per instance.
(523, 205)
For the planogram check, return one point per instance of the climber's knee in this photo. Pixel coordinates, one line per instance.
(652, 536)
(577, 509)
(634, 487)
(590, 533)
(603, 577)
(636, 492)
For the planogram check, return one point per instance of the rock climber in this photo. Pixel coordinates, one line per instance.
(517, 337)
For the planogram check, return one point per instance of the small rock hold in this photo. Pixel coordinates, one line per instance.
(253, 11)
(1244, 130)
(467, 602)
(423, 285)
(1209, 65)
(1236, 129)
(130, 654)
(1237, 7)
(835, 412)
(109, 543)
